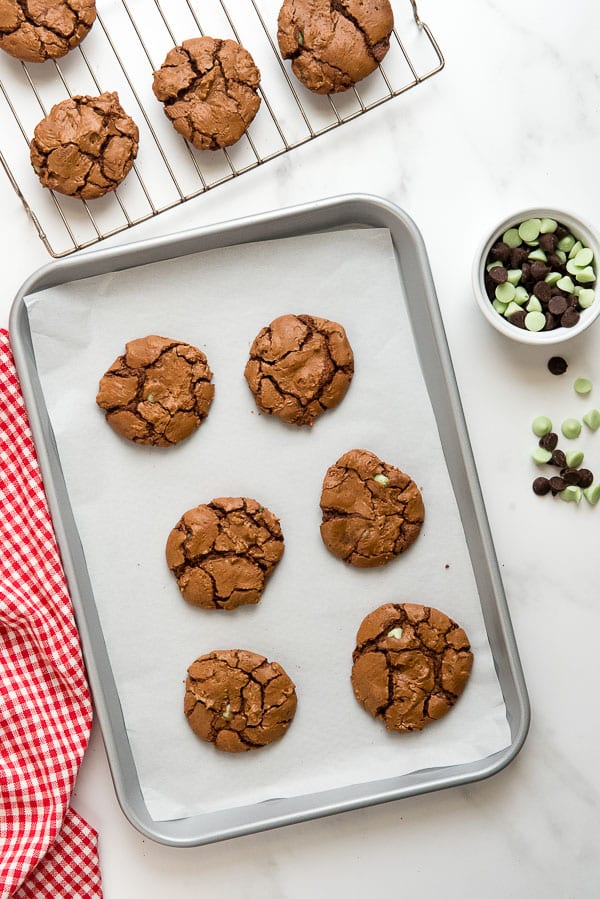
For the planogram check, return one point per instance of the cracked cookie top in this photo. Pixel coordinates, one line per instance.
(223, 552)
(299, 366)
(36, 30)
(372, 511)
(209, 90)
(238, 700)
(158, 392)
(411, 663)
(334, 43)
(85, 146)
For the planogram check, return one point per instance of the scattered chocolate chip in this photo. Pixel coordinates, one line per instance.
(570, 318)
(498, 274)
(549, 441)
(557, 305)
(585, 477)
(557, 365)
(570, 476)
(557, 484)
(559, 459)
(541, 486)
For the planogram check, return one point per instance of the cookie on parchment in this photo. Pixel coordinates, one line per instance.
(333, 44)
(85, 146)
(158, 392)
(411, 663)
(223, 552)
(37, 30)
(299, 367)
(209, 89)
(238, 700)
(372, 511)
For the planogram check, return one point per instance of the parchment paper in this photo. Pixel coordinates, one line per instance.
(126, 499)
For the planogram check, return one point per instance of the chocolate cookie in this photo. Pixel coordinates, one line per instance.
(37, 30)
(85, 146)
(238, 700)
(334, 43)
(371, 510)
(158, 392)
(223, 553)
(411, 663)
(299, 366)
(209, 88)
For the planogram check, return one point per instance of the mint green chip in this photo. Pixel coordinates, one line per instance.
(586, 297)
(582, 386)
(562, 256)
(548, 226)
(577, 246)
(573, 268)
(592, 493)
(571, 428)
(511, 238)
(499, 307)
(592, 419)
(566, 243)
(584, 257)
(566, 284)
(574, 458)
(530, 230)
(541, 425)
(521, 295)
(505, 292)
(571, 494)
(538, 256)
(535, 321)
(586, 275)
(534, 305)
(552, 278)
(541, 456)
(514, 275)
(511, 308)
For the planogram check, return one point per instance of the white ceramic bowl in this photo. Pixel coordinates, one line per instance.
(580, 230)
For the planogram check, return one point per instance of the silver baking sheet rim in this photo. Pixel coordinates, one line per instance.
(355, 210)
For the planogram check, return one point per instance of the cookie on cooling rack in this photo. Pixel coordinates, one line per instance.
(411, 664)
(44, 29)
(299, 367)
(238, 700)
(333, 44)
(209, 90)
(85, 146)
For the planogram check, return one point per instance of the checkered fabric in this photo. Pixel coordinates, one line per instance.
(46, 849)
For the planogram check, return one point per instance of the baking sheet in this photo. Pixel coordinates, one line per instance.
(126, 498)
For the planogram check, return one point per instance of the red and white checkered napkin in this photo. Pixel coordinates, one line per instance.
(46, 849)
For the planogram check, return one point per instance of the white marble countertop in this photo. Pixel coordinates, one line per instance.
(512, 121)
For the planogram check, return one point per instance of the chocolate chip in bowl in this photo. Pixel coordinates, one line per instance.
(535, 276)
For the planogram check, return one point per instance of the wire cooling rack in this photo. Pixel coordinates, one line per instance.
(129, 40)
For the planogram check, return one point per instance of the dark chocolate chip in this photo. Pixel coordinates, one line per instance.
(557, 292)
(498, 274)
(526, 271)
(518, 318)
(549, 441)
(585, 477)
(559, 459)
(500, 252)
(556, 263)
(569, 318)
(550, 322)
(490, 287)
(548, 242)
(561, 231)
(517, 257)
(542, 291)
(541, 486)
(570, 476)
(557, 305)
(539, 270)
(557, 365)
(557, 484)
